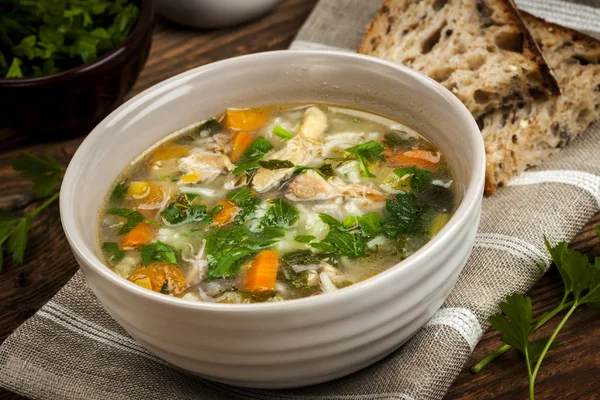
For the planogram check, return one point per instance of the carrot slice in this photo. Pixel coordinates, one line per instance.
(240, 143)
(419, 158)
(227, 214)
(250, 119)
(138, 236)
(153, 277)
(263, 272)
(167, 152)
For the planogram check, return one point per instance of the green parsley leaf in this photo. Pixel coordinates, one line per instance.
(280, 215)
(304, 238)
(112, 252)
(47, 36)
(44, 172)
(209, 127)
(369, 151)
(158, 252)
(118, 193)
(419, 178)
(325, 170)
(246, 200)
(282, 133)
(253, 154)
(339, 241)
(406, 216)
(370, 224)
(395, 138)
(133, 217)
(516, 321)
(276, 164)
(227, 247)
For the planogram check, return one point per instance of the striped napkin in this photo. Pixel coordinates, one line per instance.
(71, 349)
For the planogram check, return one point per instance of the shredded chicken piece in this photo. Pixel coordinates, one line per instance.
(310, 186)
(206, 165)
(198, 267)
(300, 150)
(220, 143)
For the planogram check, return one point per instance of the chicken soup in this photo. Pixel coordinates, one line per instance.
(273, 204)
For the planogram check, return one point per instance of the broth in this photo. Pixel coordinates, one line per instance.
(276, 203)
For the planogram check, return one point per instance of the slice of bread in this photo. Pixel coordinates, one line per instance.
(524, 135)
(479, 49)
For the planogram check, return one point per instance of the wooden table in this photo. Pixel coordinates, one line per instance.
(571, 372)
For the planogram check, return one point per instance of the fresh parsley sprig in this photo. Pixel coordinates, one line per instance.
(45, 173)
(581, 286)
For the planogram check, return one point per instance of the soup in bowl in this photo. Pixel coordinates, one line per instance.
(275, 203)
(362, 231)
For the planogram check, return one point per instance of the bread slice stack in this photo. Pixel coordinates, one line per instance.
(531, 85)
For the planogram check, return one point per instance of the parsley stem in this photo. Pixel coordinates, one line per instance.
(545, 318)
(548, 344)
(531, 377)
(45, 204)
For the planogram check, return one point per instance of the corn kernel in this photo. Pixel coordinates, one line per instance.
(138, 190)
(191, 177)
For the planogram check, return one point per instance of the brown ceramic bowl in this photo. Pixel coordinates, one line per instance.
(72, 102)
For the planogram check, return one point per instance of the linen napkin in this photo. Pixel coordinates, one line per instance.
(72, 349)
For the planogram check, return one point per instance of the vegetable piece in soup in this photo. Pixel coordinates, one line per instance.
(275, 203)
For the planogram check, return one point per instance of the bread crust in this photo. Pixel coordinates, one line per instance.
(400, 26)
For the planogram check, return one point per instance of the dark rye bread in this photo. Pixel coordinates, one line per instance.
(479, 49)
(519, 137)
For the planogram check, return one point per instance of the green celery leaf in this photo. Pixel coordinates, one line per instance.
(369, 151)
(17, 241)
(338, 241)
(406, 216)
(394, 138)
(282, 133)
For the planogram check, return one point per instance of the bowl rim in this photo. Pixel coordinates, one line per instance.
(470, 204)
(144, 22)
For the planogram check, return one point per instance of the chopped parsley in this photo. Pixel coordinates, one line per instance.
(253, 154)
(133, 217)
(370, 151)
(158, 252)
(419, 178)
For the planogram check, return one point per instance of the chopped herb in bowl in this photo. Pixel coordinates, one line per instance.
(43, 37)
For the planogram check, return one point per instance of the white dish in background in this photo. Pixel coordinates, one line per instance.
(296, 342)
(212, 13)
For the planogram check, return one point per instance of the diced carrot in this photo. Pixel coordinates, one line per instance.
(167, 152)
(240, 143)
(147, 193)
(419, 158)
(153, 277)
(262, 274)
(138, 236)
(250, 119)
(227, 214)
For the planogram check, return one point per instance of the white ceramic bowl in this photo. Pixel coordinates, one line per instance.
(212, 13)
(298, 342)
